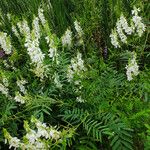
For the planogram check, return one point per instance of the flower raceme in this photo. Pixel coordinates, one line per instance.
(79, 32)
(123, 29)
(137, 20)
(20, 84)
(5, 43)
(67, 38)
(40, 138)
(76, 67)
(4, 90)
(132, 67)
(19, 98)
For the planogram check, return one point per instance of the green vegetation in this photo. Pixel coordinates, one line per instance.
(75, 74)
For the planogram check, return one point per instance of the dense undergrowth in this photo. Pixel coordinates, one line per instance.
(75, 74)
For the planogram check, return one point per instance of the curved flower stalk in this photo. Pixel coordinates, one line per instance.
(132, 67)
(42, 137)
(122, 27)
(5, 43)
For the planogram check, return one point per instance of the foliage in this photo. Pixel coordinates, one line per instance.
(58, 64)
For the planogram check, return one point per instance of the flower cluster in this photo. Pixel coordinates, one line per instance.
(32, 45)
(57, 81)
(4, 90)
(132, 67)
(114, 38)
(67, 38)
(15, 31)
(140, 27)
(79, 32)
(19, 98)
(76, 67)
(52, 43)
(123, 29)
(40, 138)
(20, 84)
(41, 16)
(5, 43)
(19, 95)
(13, 141)
(24, 30)
(78, 91)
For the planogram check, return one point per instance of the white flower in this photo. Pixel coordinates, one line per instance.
(31, 136)
(77, 66)
(36, 28)
(41, 16)
(40, 70)
(139, 25)
(80, 100)
(120, 32)
(52, 47)
(122, 26)
(14, 142)
(24, 28)
(70, 73)
(5, 81)
(79, 32)
(6, 64)
(35, 52)
(42, 129)
(137, 20)
(9, 17)
(67, 38)
(132, 67)
(77, 82)
(19, 98)
(57, 81)
(4, 90)
(5, 43)
(20, 84)
(54, 134)
(40, 145)
(42, 132)
(15, 31)
(80, 62)
(135, 11)
(125, 25)
(114, 39)
(78, 28)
